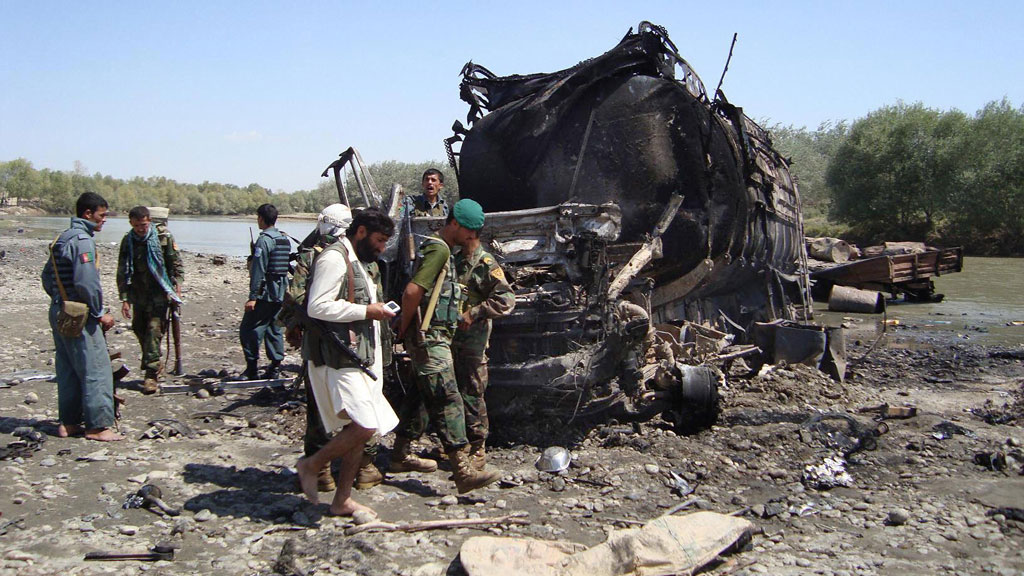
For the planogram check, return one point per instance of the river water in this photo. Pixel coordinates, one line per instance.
(205, 235)
(980, 302)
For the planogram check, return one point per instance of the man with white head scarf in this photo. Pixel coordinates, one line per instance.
(344, 296)
(334, 220)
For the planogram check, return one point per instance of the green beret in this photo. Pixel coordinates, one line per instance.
(469, 214)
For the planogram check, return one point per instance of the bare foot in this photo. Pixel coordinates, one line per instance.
(103, 435)
(69, 430)
(350, 507)
(307, 479)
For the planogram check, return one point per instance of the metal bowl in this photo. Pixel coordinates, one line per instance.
(554, 459)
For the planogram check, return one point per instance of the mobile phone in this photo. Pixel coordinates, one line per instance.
(393, 306)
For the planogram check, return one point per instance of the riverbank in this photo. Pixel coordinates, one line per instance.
(918, 504)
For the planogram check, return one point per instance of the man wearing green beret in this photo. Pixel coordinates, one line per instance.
(431, 309)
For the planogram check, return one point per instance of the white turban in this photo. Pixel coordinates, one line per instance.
(334, 220)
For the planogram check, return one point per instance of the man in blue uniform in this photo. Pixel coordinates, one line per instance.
(268, 281)
(85, 387)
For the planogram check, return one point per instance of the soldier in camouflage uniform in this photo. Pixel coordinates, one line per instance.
(85, 387)
(149, 275)
(436, 295)
(331, 225)
(268, 281)
(488, 295)
(430, 203)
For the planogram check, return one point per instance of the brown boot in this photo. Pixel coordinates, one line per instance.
(478, 455)
(150, 385)
(403, 460)
(325, 480)
(468, 478)
(368, 476)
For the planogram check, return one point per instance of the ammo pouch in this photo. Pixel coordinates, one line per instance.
(71, 318)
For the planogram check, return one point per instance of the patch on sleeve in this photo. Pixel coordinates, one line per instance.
(488, 260)
(86, 257)
(257, 252)
(498, 274)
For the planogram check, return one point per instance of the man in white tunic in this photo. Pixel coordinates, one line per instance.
(344, 296)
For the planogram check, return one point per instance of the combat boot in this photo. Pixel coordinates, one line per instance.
(468, 478)
(369, 475)
(325, 480)
(150, 385)
(403, 460)
(478, 454)
(251, 368)
(273, 371)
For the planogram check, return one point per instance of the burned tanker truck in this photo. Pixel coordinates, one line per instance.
(645, 227)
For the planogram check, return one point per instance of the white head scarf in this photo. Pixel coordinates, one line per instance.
(334, 219)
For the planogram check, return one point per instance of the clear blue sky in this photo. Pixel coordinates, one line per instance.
(271, 92)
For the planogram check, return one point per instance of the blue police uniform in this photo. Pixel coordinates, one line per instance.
(268, 281)
(85, 386)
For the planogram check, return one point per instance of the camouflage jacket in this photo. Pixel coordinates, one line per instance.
(489, 295)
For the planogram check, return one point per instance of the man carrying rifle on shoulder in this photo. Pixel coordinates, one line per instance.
(149, 276)
(342, 343)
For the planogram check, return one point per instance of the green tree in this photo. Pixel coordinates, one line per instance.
(988, 209)
(892, 176)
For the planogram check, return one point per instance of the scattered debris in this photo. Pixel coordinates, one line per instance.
(829, 474)
(554, 459)
(945, 430)
(168, 428)
(1010, 461)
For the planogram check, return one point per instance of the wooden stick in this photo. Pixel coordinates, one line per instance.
(435, 524)
(680, 506)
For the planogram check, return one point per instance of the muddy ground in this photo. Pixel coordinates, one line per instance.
(918, 504)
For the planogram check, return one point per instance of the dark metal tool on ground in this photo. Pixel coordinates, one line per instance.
(156, 553)
(151, 496)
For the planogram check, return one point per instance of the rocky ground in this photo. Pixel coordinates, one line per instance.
(917, 504)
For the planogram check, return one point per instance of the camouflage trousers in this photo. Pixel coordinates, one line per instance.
(149, 323)
(316, 436)
(437, 391)
(471, 376)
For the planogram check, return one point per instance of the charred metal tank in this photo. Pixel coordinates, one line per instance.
(646, 228)
(625, 203)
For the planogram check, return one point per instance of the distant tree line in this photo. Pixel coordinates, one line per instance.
(908, 172)
(903, 172)
(55, 191)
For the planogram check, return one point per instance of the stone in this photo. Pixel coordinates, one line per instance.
(47, 462)
(500, 504)
(652, 469)
(558, 484)
(127, 530)
(204, 515)
(203, 393)
(450, 500)
(360, 517)
(897, 517)
(31, 398)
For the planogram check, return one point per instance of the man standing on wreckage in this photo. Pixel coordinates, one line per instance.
(343, 298)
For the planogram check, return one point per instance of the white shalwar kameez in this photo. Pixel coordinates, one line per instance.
(347, 394)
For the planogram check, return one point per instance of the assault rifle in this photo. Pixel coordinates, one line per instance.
(176, 335)
(319, 328)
